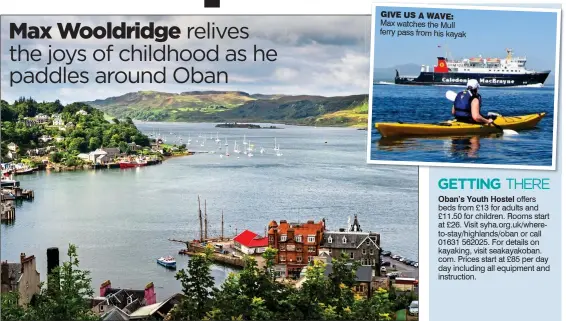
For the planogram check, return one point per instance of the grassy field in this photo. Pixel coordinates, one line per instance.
(356, 116)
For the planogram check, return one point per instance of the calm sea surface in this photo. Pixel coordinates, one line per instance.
(427, 104)
(121, 219)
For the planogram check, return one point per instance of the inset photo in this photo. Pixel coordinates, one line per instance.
(464, 86)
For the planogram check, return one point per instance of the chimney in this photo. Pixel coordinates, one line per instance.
(52, 263)
(291, 234)
(282, 222)
(5, 274)
(149, 294)
(105, 285)
(22, 260)
(310, 222)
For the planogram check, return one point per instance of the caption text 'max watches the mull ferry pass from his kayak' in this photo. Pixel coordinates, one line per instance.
(438, 24)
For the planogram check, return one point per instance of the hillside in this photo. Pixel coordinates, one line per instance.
(230, 106)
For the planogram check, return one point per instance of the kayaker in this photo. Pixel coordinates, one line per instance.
(467, 105)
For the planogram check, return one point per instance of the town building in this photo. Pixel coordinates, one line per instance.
(58, 120)
(45, 138)
(127, 304)
(364, 247)
(103, 155)
(7, 206)
(21, 277)
(41, 118)
(12, 147)
(297, 245)
(82, 112)
(364, 277)
(248, 242)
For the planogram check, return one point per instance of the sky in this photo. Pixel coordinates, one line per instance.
(317, 55)
(488, 33)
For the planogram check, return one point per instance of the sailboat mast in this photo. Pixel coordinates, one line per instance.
(222, 224)
(200, 217)
(205, 222)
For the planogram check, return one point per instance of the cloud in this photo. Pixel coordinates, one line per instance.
(320, 55)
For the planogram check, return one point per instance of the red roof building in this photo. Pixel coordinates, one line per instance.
(248, 242)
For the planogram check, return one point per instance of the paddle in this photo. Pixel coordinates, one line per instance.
(450, 95)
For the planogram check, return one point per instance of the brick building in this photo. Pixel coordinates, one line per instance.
(296, 244)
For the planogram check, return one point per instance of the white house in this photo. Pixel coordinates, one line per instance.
(45, 138)
(82, 112)
(58, 120)
(41, 118)
(248, 242)
(12, 147)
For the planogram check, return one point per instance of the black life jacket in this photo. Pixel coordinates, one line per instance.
(463, 104)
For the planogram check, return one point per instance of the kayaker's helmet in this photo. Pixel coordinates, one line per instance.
(473, 84)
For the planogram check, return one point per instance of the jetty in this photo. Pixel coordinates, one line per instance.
(7, 208)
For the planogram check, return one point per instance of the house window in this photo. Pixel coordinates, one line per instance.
(344, 240)
(312, 249)
(299, 259)
(364, 251)
(310, 258)
(329, 250)
(367, 242)
(282, 258)
(281, 247)
(310, 239)
(298, 238)
(299, 249)
(330, 239)
(283, 238)
(351, 255)
(271, 239)
(371, 252)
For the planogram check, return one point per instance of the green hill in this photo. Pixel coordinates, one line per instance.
(230, 106)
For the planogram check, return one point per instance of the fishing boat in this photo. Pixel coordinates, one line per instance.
(168, 262)
(131, 163)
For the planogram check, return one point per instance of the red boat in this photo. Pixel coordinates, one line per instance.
(132, 163)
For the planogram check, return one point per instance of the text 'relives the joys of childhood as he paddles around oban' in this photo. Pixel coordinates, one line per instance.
(109, 53)
(422, 24)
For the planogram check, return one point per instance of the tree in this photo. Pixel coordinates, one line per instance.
(198, 287)
(94, 143)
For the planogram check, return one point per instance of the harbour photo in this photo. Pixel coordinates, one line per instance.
(249, 200)
(467, 97)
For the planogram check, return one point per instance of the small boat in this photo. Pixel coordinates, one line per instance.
(167, 261)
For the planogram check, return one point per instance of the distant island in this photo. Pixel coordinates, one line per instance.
(247, 126)
(237, 107)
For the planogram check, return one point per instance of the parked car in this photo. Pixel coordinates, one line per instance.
(386, 263)
(393, 274)
(416, 264)
(414, 308)
(386, 253)
(383, 269)
(395, 257)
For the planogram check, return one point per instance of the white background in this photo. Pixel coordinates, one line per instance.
(291, 7)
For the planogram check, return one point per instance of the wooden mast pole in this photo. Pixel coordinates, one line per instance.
(222, 224)
(200, 217)
(205, 222)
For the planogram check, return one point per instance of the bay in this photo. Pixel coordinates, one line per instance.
(121, 219)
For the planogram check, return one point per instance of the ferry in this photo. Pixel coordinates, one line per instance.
(167, 261)
(490, 72)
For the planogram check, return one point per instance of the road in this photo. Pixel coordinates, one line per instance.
(407, 271)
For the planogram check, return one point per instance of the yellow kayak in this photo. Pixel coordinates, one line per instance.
(454, 128)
